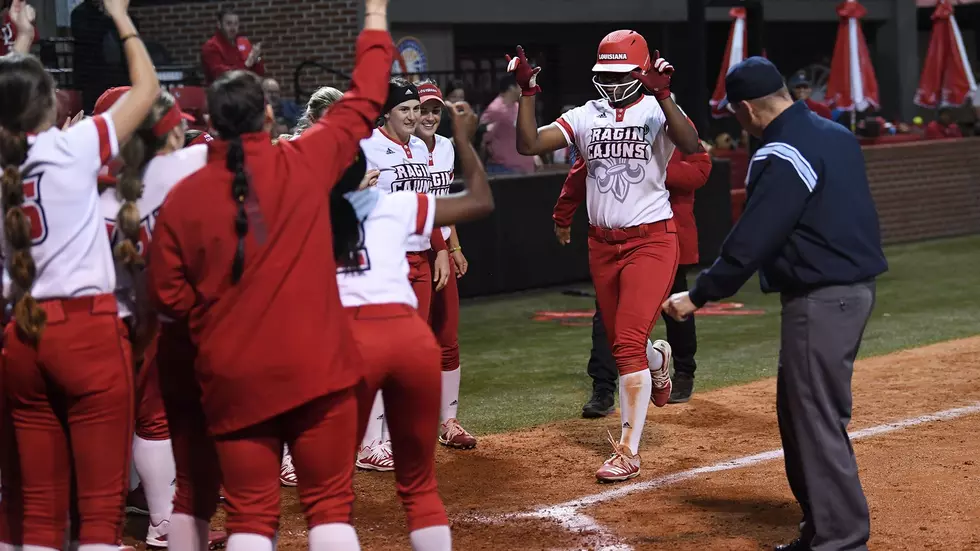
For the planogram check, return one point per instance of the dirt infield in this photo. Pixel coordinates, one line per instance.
(921, 478)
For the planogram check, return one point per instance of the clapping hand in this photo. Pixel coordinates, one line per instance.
(464, 121)
(22, 15)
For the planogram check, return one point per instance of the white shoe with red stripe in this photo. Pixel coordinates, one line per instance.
(376, 457)
(156, 534)
(662, 385)
(621, 465)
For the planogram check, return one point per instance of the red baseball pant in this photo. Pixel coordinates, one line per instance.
(195, 457)
(71, 400)
(632, 270)
(151, 417)
(401, 358)
(444, 317)
(322, 438)
(420, 276)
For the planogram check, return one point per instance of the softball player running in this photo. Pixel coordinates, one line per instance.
(627, 139)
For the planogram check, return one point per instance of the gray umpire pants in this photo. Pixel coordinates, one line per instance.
(821, 333)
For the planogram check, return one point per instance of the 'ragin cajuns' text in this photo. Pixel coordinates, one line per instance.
(619, 143)
(411, 177)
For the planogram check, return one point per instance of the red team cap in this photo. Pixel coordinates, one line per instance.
(168, 122)
(622, 52)
(429, 91)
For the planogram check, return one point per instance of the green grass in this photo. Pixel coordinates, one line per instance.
(518, 372)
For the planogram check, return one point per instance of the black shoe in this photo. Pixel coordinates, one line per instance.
(601, 405)
(795, 545)
(683, 386)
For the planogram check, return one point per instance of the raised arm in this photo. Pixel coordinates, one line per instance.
(530, 139)
(477, 201)
(332, 142)
(657, 82)
(128, 113)
(22, 15)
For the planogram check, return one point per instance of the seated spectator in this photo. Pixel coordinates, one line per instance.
(500, 140)
(285, 110)
(229, 51)
(8, 31)
(801, 89)
(943, 127)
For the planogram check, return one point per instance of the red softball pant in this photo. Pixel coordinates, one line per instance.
(151, 416)
(401, 358)
(198, 473)
(322, 438)
(71, 402)
(444, 317)
(420, 276)
(632, 270)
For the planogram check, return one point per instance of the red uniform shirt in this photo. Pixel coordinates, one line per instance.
(685, 174)
(8, 34)
(935, 130)
(278, 338)
(220, 56)
(819, 109)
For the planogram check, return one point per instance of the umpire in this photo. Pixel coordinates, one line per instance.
(811, 230)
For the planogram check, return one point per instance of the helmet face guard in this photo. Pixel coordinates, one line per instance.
(614, 93)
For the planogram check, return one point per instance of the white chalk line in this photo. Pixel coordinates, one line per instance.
(600, 538)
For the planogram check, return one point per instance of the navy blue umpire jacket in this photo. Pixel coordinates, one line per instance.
(809, 219)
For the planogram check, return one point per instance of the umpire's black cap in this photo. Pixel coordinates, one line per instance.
(754, 78)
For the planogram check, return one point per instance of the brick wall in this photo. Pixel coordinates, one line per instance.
(926, 190)
(291, 31)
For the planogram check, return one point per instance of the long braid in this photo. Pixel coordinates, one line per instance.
(31, 319)
(239, 192)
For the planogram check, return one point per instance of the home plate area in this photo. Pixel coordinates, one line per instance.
(712, 475)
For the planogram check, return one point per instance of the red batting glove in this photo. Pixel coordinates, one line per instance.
(657, 80)
(525, 75)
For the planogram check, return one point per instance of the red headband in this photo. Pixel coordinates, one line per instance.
(169, 121)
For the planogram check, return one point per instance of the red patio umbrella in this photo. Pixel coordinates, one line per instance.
(947, 78)
(738, 44)
(852, 85)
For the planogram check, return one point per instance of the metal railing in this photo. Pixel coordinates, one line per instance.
(58, 57)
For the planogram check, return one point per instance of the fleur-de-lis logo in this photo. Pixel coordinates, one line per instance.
(616, 176)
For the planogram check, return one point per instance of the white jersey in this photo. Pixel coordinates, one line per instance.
(442, 166)
(382, 275)
(404, 167)
(626, 152)
(69, 243)
(162, 173)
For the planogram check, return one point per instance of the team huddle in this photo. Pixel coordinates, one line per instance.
(154, 277)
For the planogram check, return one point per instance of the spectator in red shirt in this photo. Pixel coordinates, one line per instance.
(943, 127)
(228, 51)
(801, 89)
(8, 30)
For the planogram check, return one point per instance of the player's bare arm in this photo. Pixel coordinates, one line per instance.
(657, 81)
(477, 201)
(128, 113)
(376, 15)
(530, 139)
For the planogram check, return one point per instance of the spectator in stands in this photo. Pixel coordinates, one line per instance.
(227, 50)
(8, 31)
(285, 110)
(455, 93)
(724, 142)
(500, 117)
(99, 63)
(801, 88)
(943, 127)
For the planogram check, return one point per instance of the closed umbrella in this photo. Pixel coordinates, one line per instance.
(852, 85)
(734, 54)
(947, 78)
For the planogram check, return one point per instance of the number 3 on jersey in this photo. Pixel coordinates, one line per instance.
(34, 210)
